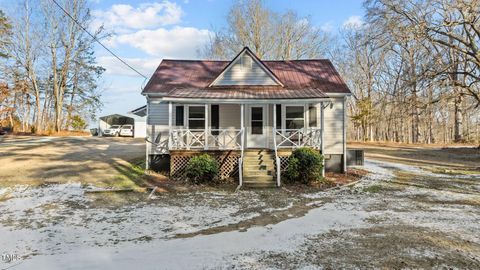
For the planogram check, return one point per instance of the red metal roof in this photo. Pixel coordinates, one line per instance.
(301, 79)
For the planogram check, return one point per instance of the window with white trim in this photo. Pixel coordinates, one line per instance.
(196, 117)
(294, 117)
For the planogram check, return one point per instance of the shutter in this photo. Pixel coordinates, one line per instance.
(215, 118)
(279, 116)
(179, 111)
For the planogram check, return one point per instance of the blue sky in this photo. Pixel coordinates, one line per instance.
(144, 32)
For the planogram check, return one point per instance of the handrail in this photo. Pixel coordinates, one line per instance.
(240, 160)
(277, 159)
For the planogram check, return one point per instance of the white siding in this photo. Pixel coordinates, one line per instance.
(157, 126)
(334, 127)
(245, 71)
(229, 116)
(157, 113)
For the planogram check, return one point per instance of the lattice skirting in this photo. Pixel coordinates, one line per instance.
(227, 160)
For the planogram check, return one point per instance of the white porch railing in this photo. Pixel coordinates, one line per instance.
(294, 138)
(211, 139)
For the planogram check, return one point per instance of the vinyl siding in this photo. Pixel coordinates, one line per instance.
(229, 116)
(157, 113)
(157, 128)
(334, 127)
(245, 71)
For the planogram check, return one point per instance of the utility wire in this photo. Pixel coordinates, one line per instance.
(98, 41)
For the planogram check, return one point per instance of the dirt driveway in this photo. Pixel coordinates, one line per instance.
(88, 160)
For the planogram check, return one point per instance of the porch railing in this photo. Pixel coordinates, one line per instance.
(294, 138)
(211, 139)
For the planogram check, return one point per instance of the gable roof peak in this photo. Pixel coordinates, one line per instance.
(269, 77)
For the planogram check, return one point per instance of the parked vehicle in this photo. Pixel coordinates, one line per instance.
(126, 130)
(112, 131)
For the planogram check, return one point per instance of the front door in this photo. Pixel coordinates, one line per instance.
(256, 126)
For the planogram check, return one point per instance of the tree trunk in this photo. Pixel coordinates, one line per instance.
(458, 123)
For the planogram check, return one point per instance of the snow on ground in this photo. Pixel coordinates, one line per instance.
(61, 226)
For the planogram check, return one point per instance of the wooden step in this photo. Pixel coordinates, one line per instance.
(259, 178)
(270, 159)
(264, 166)
(260, 185)
(253, 173)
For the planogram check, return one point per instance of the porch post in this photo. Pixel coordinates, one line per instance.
(242, 121)
(322, 136)
(206, 127)
(274, 124)
(306, 115)
(170, 116)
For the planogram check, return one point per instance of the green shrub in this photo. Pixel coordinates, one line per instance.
(201, 169)
(304, 165)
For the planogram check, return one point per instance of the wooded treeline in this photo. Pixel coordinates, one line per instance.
(49, 76)
(413, 66)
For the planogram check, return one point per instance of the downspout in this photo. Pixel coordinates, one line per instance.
(344, 134)
(322, 136)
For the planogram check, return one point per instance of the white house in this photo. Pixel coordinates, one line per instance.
(248, 113)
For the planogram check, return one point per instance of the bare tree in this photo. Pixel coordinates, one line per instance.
(268, 34)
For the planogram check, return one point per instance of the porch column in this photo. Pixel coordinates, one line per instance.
(207, 132)
(170, 116)
(322, 136)
(306, 115)
(242, 123)
(274, 124)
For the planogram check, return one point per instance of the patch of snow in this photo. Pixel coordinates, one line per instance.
(290, 205)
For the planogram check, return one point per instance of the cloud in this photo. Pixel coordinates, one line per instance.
(327, 27)
(113, 66)
(145, 16)
(178, 42)
(353, 22)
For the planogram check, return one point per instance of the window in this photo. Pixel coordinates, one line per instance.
(312, 116)
(294, 117)
(257, 120)
(179, 112)
(196, 117)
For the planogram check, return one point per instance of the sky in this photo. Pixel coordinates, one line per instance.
(145, 32)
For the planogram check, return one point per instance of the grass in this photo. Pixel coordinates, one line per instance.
(130, 176)
(443, 170)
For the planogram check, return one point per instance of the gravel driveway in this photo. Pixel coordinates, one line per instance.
(397, 217)
(89, 160)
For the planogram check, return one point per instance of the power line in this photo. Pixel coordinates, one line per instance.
(98, 41)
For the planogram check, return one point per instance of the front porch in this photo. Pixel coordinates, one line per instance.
(236, 128)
